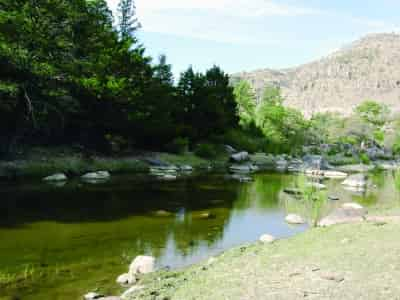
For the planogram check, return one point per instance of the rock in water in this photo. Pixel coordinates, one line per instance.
(356, 181)
(56, 177)
(100, 175)
(294, 219)
(230, 149)
(126, 279)
(240, 157)
(92, 296)
(267, 239)
(142, 265)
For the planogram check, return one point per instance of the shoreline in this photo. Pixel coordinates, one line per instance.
(301, 256)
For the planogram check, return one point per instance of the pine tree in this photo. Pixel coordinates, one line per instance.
(128, 23)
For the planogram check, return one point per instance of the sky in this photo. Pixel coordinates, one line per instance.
(244, 35)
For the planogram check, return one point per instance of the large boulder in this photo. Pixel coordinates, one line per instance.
(240, 157)
(56, 177)
(142, 265)
(356, 181)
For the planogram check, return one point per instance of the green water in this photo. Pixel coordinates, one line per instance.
(61, 242)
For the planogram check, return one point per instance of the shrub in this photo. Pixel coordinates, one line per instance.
(178, 145)
(206, 151)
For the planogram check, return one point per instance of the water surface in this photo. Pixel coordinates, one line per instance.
(64, 241)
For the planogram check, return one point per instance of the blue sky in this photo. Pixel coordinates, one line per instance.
(243, 35)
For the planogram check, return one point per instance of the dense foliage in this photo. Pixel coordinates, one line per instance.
(67, 75)
(283, 129)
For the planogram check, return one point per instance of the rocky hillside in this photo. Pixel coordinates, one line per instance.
(366, 69)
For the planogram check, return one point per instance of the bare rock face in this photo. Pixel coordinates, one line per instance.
(366, 69)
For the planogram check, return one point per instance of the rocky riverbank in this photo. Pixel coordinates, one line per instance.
(349, 261)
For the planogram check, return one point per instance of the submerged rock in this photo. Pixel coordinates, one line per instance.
(294, 219)
(142, 265)
(56, 177)
(267, 239)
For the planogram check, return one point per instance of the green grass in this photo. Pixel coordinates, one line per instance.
(360, 259)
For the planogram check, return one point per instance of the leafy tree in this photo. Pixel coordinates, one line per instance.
(246, 103)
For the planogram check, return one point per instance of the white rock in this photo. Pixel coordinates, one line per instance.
(100, 175)
(56, 177)
(240, 157)
(126, 279)
(92, 295)
(267, 239)
(294, 219)
(142, 265)
(357, 180)
(352, 205)
(128, 293)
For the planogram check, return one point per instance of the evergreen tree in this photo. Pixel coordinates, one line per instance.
(128, 23)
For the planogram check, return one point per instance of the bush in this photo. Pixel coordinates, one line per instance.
(178, 146)
(206, 151)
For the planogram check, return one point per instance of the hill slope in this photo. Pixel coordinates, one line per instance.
(366, 69)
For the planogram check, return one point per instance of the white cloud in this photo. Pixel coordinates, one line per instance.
(216, 20)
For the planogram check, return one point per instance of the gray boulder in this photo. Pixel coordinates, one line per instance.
(240, 157)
